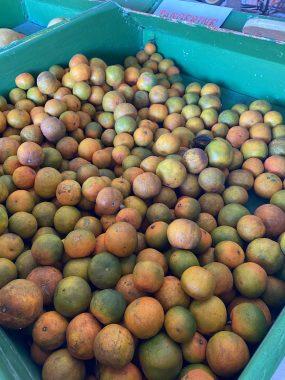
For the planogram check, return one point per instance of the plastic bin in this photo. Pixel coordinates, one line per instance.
(252, 67)
(137, 5)
(235, 20)
(31, 16)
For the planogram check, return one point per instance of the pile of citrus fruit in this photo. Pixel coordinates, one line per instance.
(127, 247)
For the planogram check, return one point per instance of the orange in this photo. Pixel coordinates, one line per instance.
(201, 311)
(79, 243)
(171, 294)
(183, 233)
(114, 346)
(148, 276)
(121, 239)
(144, 317)
(194, 350)
(229, 253)
(198, 283)
(227, 353)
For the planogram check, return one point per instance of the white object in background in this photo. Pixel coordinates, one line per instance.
(56, 21)
(280, 371)
(7, 36)
(193, 12)
(265, 28)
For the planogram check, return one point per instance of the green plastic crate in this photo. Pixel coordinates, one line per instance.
(137, 5)
(252, 67)
(235, 20)
(31, 16)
